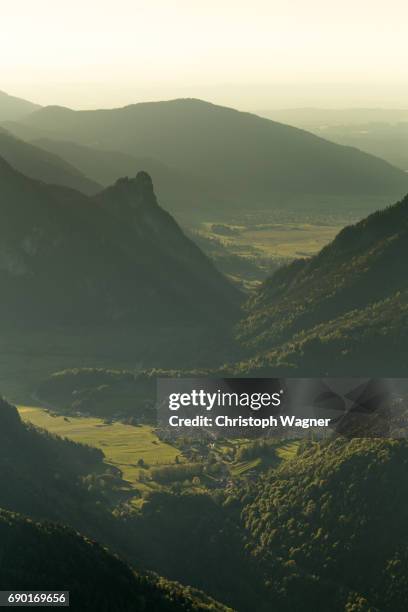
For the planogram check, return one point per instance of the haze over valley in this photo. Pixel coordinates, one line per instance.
(252, 193)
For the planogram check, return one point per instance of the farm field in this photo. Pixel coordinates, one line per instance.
(137, 451)
(123, 445)
(287, 450)
(274, 240)
(250, 247)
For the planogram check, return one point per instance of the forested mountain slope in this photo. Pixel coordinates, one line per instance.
(58, 559)
(117, 258)
(344, 308)
(330, 527)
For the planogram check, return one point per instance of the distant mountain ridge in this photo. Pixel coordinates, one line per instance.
(42, 165)
(239, 158)
(13, 109)
(105, 167)
(309, 117)
(382, 132)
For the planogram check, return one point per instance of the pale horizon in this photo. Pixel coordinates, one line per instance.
(263, 56)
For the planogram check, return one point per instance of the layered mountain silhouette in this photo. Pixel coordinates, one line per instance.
(13, 109)
(239, 158)
(42, 165)
(105, 167)
(115, 258)
(344, 310)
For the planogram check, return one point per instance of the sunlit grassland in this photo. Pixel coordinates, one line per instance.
(240, 468)
(284, 450)
(290, 240)
(287, 450)
(278, 240)
(123, 445)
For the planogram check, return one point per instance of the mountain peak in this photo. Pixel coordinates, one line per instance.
(144, 183)
(128, 260)
(135, 192)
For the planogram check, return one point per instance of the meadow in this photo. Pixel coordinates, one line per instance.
(274, 240)
(248, 247)
(123, 445)
(138, 453)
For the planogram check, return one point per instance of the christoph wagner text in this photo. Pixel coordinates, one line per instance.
(225, 421)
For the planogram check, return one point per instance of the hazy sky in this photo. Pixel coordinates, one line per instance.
(256, 54)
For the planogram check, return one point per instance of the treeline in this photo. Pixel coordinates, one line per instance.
(176, 473)
(102, 392)
(121, 394)
(257, 449)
